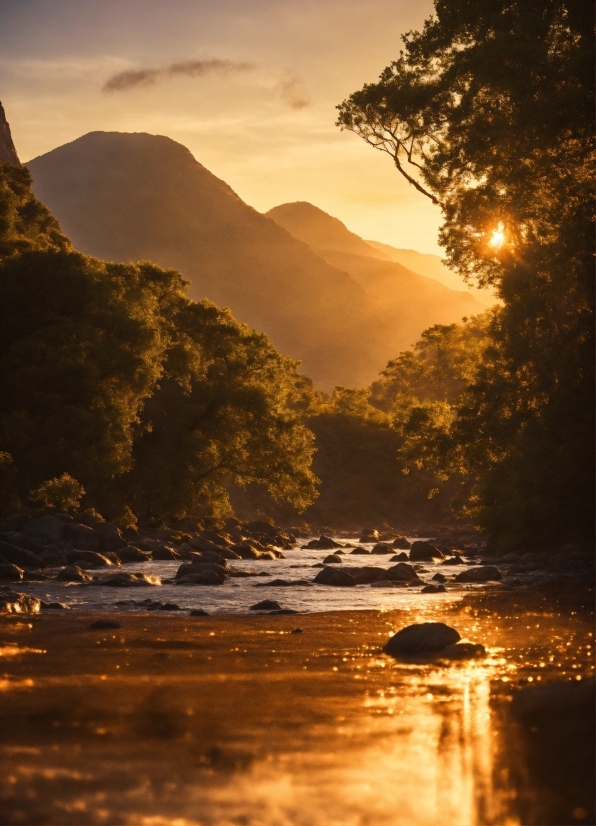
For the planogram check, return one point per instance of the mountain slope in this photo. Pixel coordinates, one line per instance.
(125, 197)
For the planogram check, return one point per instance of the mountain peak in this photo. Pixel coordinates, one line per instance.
(8, 153)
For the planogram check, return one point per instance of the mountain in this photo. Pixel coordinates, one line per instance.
(432, 267)
(404, 301)
(125, 197)
(8, 153)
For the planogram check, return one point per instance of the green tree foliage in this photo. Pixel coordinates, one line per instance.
(111, 376)
(489, 111)
(63, 493)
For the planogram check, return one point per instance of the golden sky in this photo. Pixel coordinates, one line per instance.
(249, 87)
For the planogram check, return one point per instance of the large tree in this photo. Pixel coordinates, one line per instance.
(489, 112)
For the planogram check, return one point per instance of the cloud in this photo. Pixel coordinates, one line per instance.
(131, 79)
(294, 92)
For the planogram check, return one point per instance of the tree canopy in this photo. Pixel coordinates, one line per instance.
(111, 376)
(489, 110)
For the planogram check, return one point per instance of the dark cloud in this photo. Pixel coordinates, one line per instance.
(294, 92)
(123, 81)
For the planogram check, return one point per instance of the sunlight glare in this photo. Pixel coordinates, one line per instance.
(497, 238)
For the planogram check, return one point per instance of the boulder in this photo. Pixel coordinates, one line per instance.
(82, 537)
(433, 589)
(19, 556)
(367, 574)
(201, 543)
(382, 548)
(386, 583)
(334, 576)
(401, 543)
(360, 551)
(422, 638)
(213, 536)
(21, 540)
(266, 605)
(453, 560)
(201, 578)
(198, 567)
(440, 578)
(53, 558)
(73, 573)
(402, 571)
(111, 538)
(332, 559)
(165, 552)
(483, 573)
(245, 551)
(463, 651)
(12, 602)
(126, 579)
(424, 552)
(198, 612)
(54, 606)
(35, 576)
(132, 554)
(323, 543)
(10, 573)
(402, 557)
(47, 528)
(238, 572)
(369, 535)
(283, 583)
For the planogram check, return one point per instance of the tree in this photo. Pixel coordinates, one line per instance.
(491, 107)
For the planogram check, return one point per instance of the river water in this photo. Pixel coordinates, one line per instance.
(240, 593)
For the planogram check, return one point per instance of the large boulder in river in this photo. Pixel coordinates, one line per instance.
(369, 535)
(47, 528)
(382, 548)
(266, 605)
(111, 539)
(205, 577)
(198, 567)
(82, 537)
(323, 543)
(132, 554)
(95, 559)
(21, 540)
(10, 573)
(367, 574)
(334, 576)
(424, 552)
(401, 572)
(72, 573)
(12, 602)
(332, 559)
(126, 579)
(423, 638)
(483, 573)
(401, 543)
(19, 556)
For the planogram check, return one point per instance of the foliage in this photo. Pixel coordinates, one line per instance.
(491, 107)
(63, 493)
(110, 375)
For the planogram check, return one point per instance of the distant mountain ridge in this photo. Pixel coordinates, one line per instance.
(134, 196)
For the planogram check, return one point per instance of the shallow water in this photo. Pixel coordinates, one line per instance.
(238, 594)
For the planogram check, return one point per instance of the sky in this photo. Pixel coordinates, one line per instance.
(249, 86)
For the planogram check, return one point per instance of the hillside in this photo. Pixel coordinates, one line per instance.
(126, 197)
(404, 301)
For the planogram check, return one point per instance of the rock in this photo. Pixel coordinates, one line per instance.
(401, 543)
(323, 543)
(483, 573)
(111, 538)
(10, 573)
(205, 577)
(402, 557)
(82, 537)
(213, 536)
(93, 558)
(386, 583)
(198, 567)
(430, 589)
(332, 559)
(200, 543)
(54, 559)
(334, 576)
(165, 552)
(236, 572)
(245, 551)
(360, 551)
(453, 560)
(16, 522)
(21, 540)
(440, 578)
(169, 606)
(54, 606)
(35, 576)
(47, 528)
(12, 602)
(132, 554)
(73, 573)
(367, 574)
(424, 552)
(126, 579)
(463, 651)
(266, 605)
(297, 631)
(402, 571)
(101, 625)
(19, 556)
(369, 535)
(382, 548)
(422, 638)
(283, 583)
(198, 612)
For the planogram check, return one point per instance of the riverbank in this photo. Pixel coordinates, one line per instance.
(247, 720)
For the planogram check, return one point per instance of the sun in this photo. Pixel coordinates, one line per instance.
(497, 238)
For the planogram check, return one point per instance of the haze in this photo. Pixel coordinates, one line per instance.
(257, 109)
